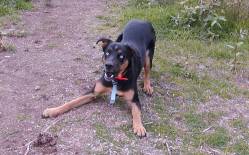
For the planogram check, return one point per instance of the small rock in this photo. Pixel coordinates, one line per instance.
(37, 41)
(37, 88)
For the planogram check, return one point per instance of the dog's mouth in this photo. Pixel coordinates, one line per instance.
(109, 76)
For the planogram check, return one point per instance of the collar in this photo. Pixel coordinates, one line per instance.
(121, 78)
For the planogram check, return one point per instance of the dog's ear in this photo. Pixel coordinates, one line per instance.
(105, 42)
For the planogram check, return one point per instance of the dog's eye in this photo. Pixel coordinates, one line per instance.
(107, 53)
(121, 57)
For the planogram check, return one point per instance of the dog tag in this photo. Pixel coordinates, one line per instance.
(114, 92)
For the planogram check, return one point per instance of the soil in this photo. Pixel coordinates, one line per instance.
(54, 59)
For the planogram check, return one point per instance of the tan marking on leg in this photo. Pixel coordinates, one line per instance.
(138, 127)
(127, 95)
(53, 112)
(147, 85)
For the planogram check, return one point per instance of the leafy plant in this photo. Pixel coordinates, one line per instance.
(236, 48)
(204, 17)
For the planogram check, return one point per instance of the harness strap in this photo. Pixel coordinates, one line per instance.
(114, 92)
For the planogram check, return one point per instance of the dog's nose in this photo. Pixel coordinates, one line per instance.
(108, 66)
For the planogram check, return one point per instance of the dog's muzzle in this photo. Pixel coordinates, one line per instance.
(109, 76)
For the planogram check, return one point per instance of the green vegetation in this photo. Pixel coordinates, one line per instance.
(218, 139)
(241, 148)
(194, 121)
(202, 49)
(10, 6)
(162, 129)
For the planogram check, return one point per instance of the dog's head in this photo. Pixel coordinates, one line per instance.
(116, 57)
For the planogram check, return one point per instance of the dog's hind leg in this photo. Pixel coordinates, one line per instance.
(147, 68)
(98, 90)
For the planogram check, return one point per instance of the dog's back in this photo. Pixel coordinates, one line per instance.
(139, 35)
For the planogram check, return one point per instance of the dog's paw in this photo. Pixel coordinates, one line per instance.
(139, 130)
(50, 112)
(148, 89)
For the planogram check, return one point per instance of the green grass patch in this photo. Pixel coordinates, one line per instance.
(102, 132)
(159, 16)
(23, 5)
(194, 121)
(221, 54)
(11, 6)
(218, 139)
(127, 129)
(160, 108)
(162, 129)
(238, 123)
(5, 10)
(241, 148)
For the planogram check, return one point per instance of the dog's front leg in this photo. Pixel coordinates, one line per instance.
(138, 127)
(133, 102)
(98, 90)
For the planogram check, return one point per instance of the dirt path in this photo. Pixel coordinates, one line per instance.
(55, 61)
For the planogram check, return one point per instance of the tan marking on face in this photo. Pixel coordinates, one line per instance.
(103, 44)
(122, 68)
(119, 51)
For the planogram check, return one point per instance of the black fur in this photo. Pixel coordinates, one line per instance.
(137, 38)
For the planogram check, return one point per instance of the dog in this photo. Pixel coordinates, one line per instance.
(123, 61)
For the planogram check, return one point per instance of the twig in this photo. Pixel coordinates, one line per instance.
(28, 147)
(53, 123)
(205, 130)
(167, 145)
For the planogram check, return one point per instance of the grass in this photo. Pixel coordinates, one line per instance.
(8, 7)
(218, 139)
(194, 121)
(241, 148)
(162, 129)
(238, 123)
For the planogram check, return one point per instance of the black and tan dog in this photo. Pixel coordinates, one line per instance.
(124, 59)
